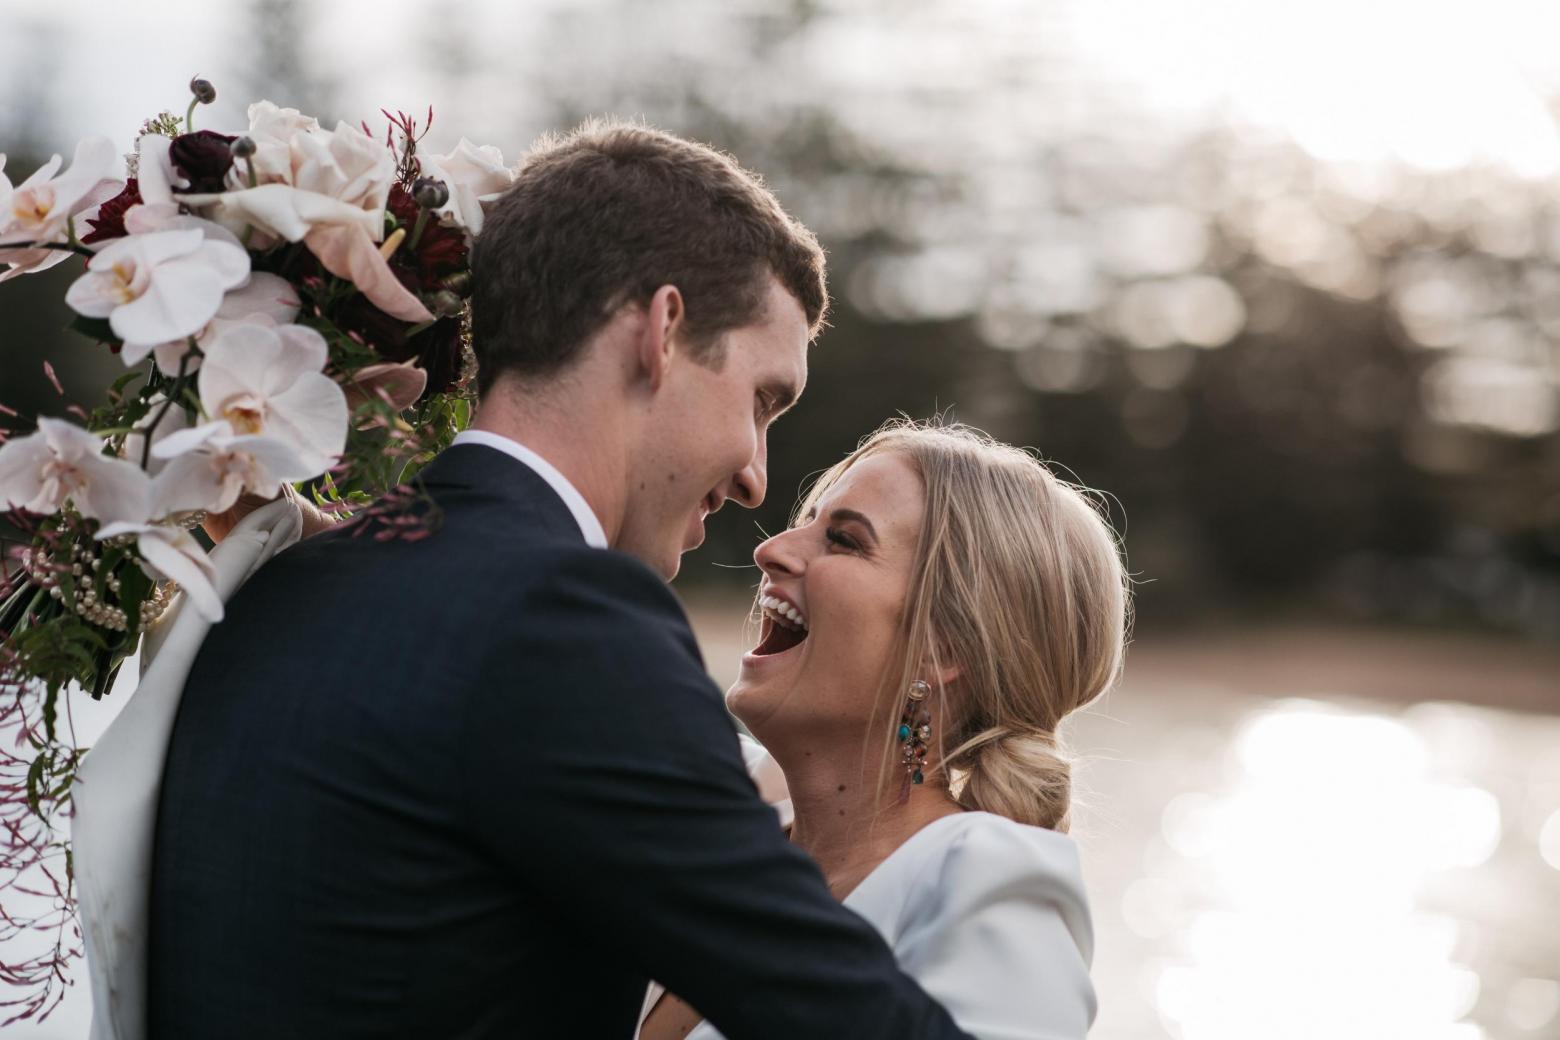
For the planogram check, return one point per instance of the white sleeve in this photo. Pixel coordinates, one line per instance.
(117, 786)
(1000, 934)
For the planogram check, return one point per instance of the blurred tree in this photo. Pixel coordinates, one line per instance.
(279, 65)
(1308, 387)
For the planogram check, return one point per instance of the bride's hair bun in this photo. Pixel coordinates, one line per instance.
(1020, 774)
(1018, 599)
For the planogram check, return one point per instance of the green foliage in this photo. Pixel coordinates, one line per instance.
(60, 649)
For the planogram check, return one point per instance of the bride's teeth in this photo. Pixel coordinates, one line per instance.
(782, 611)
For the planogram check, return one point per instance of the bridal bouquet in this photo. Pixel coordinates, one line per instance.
(288, 302)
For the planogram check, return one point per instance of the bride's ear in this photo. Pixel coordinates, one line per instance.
(940, 670)
(665, 317)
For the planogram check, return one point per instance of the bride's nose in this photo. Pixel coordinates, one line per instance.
(779, 556)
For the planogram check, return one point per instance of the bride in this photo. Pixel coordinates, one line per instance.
(940, 604)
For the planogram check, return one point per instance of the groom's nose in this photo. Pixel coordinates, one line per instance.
(749, 483)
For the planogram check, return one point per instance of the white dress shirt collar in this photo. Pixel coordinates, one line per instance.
(590, 524)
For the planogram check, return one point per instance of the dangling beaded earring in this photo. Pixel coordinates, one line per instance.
(915, 730)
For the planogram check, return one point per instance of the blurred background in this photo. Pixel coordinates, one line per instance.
(1282, 279)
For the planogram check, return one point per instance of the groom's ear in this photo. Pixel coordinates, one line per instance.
(659, 340)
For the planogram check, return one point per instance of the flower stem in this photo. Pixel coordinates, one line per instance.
(173, 395)
(422, 222)
(189, 116)
(64, 247)
(249, 229)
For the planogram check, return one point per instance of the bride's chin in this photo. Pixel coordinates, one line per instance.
(742, 705)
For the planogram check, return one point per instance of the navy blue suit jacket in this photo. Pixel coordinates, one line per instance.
(476, 786)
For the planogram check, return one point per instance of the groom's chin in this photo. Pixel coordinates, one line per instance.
(693, 537)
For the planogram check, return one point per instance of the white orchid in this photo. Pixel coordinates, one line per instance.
(62, 462)
(159, 286)
(475, 175)
(171, 553)
(41, 208)
(274, 418)
(269, 382)
(209, 466)
(266, 299)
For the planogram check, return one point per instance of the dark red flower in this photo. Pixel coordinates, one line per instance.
(437, 348)
(110, 220)
(440, 252)
(204, 159)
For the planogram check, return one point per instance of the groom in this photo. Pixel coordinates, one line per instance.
(479, 785)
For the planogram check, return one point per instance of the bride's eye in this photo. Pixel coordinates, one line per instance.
(841, 539)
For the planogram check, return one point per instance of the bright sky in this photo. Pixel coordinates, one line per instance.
(1435, 83)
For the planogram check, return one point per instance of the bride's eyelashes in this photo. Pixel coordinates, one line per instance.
(841, 539)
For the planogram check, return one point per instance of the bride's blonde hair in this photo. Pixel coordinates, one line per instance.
(1018, 589)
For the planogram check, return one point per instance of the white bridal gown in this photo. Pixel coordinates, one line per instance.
(990, 917)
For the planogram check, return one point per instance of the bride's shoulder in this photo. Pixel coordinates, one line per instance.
(974, 863)
(975, 843)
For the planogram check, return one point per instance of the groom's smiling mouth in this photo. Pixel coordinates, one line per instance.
(784, 627)
(694, 536)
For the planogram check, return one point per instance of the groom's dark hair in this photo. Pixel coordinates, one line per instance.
(607, 214)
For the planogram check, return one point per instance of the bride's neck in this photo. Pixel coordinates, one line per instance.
(845, 821)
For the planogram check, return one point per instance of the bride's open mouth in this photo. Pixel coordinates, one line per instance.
(784, 627)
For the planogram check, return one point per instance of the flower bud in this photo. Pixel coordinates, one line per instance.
(446, 304)
(242, 147)
(458, 283)
(430, 192)
(204, 92)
